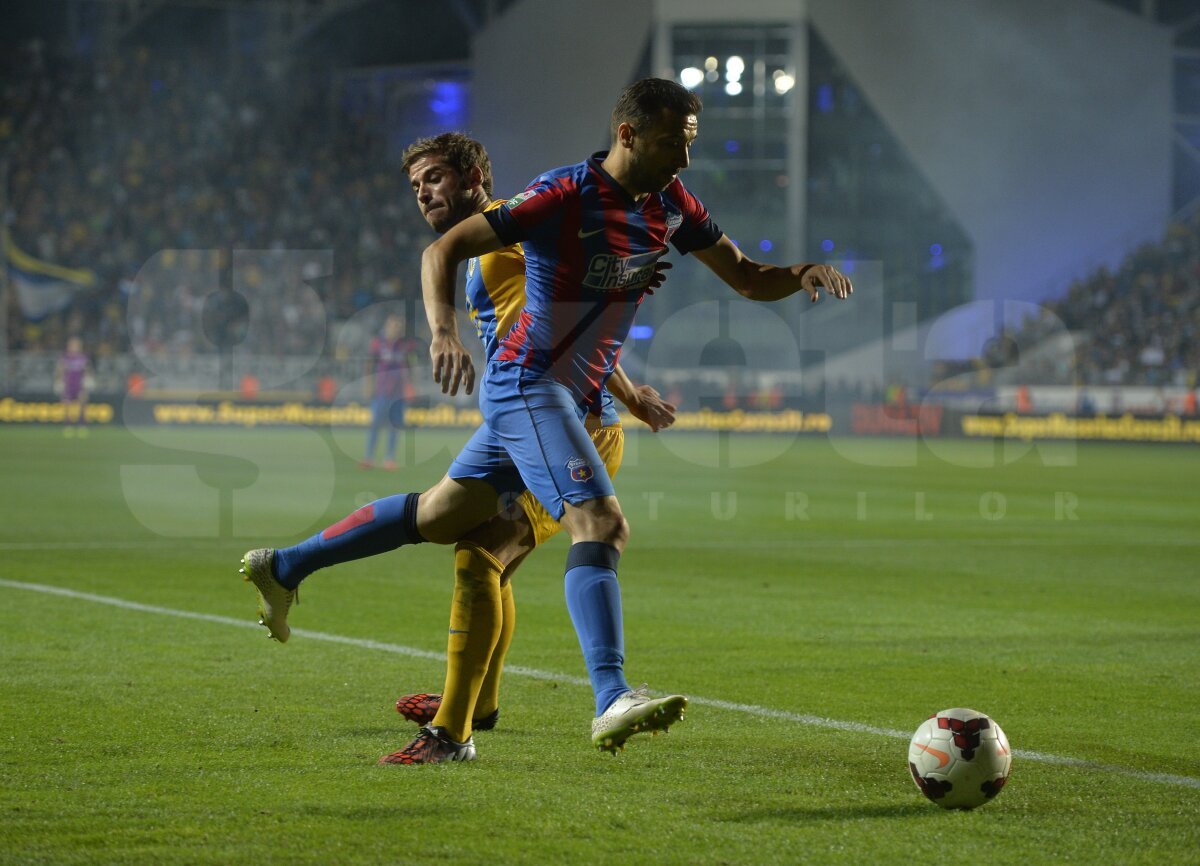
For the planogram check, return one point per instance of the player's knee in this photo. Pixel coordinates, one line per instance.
(611, 527)
(432, 520)
(450, 509)
(597, 520)
(506, 537)
(439, 532)
(621, 533)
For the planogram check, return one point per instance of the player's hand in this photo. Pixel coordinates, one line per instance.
(660, 276)
(651, 409)
(835, 282)
(452, 364)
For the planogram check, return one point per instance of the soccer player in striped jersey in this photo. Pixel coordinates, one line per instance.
(592, 233)
(451, 179)
(449, 173)
(390, 356)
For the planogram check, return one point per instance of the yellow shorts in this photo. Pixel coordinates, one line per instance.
(610, 444)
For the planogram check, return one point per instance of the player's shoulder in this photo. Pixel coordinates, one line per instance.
(549, 188)
(574, 170)
(676, 191)
(677, 197)
(565, 177)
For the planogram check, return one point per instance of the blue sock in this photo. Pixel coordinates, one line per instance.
(378, 527)
(594, 600)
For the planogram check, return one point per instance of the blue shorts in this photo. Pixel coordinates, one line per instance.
(387, 412)
(533, 437)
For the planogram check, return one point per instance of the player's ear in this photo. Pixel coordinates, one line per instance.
(474, 177)
(625, 135)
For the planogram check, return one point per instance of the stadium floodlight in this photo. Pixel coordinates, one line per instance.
(690, 77)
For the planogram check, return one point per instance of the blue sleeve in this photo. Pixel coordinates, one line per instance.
(504, 225)
(690, 238)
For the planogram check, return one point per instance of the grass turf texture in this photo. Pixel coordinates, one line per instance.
(895, 580)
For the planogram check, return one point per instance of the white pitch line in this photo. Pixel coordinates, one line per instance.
(731, 544)
(221, 620)
(533, 673)
(101, 545)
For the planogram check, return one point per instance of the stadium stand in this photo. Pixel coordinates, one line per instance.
(166, 162)
(114, 162)
(1136, 325)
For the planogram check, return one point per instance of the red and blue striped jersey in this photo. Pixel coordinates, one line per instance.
(495, 298)
(590, 251)
(389, 362)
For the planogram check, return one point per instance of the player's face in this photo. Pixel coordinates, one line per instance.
(662, 150)
(444, 199)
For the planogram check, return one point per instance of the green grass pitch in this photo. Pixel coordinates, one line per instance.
(817, 599)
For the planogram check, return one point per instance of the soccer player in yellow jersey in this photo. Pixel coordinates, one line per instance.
(450, 175)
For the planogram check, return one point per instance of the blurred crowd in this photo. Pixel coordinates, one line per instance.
(1143, 321)
(1137, 325)
(207, 199)
(152, 170)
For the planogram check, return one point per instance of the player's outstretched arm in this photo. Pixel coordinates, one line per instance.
(642, 401)
(760, 282)
(452, 363)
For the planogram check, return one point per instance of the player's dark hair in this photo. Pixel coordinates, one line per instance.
(460, 151)
(643, 101)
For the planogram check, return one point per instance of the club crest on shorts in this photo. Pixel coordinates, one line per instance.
(580, 469)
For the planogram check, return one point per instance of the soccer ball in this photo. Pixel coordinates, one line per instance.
(959, 758)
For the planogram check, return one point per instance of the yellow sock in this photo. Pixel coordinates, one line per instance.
(475, 618)
(489, 693)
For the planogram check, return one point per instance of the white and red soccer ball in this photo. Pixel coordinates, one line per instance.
(959, 758)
